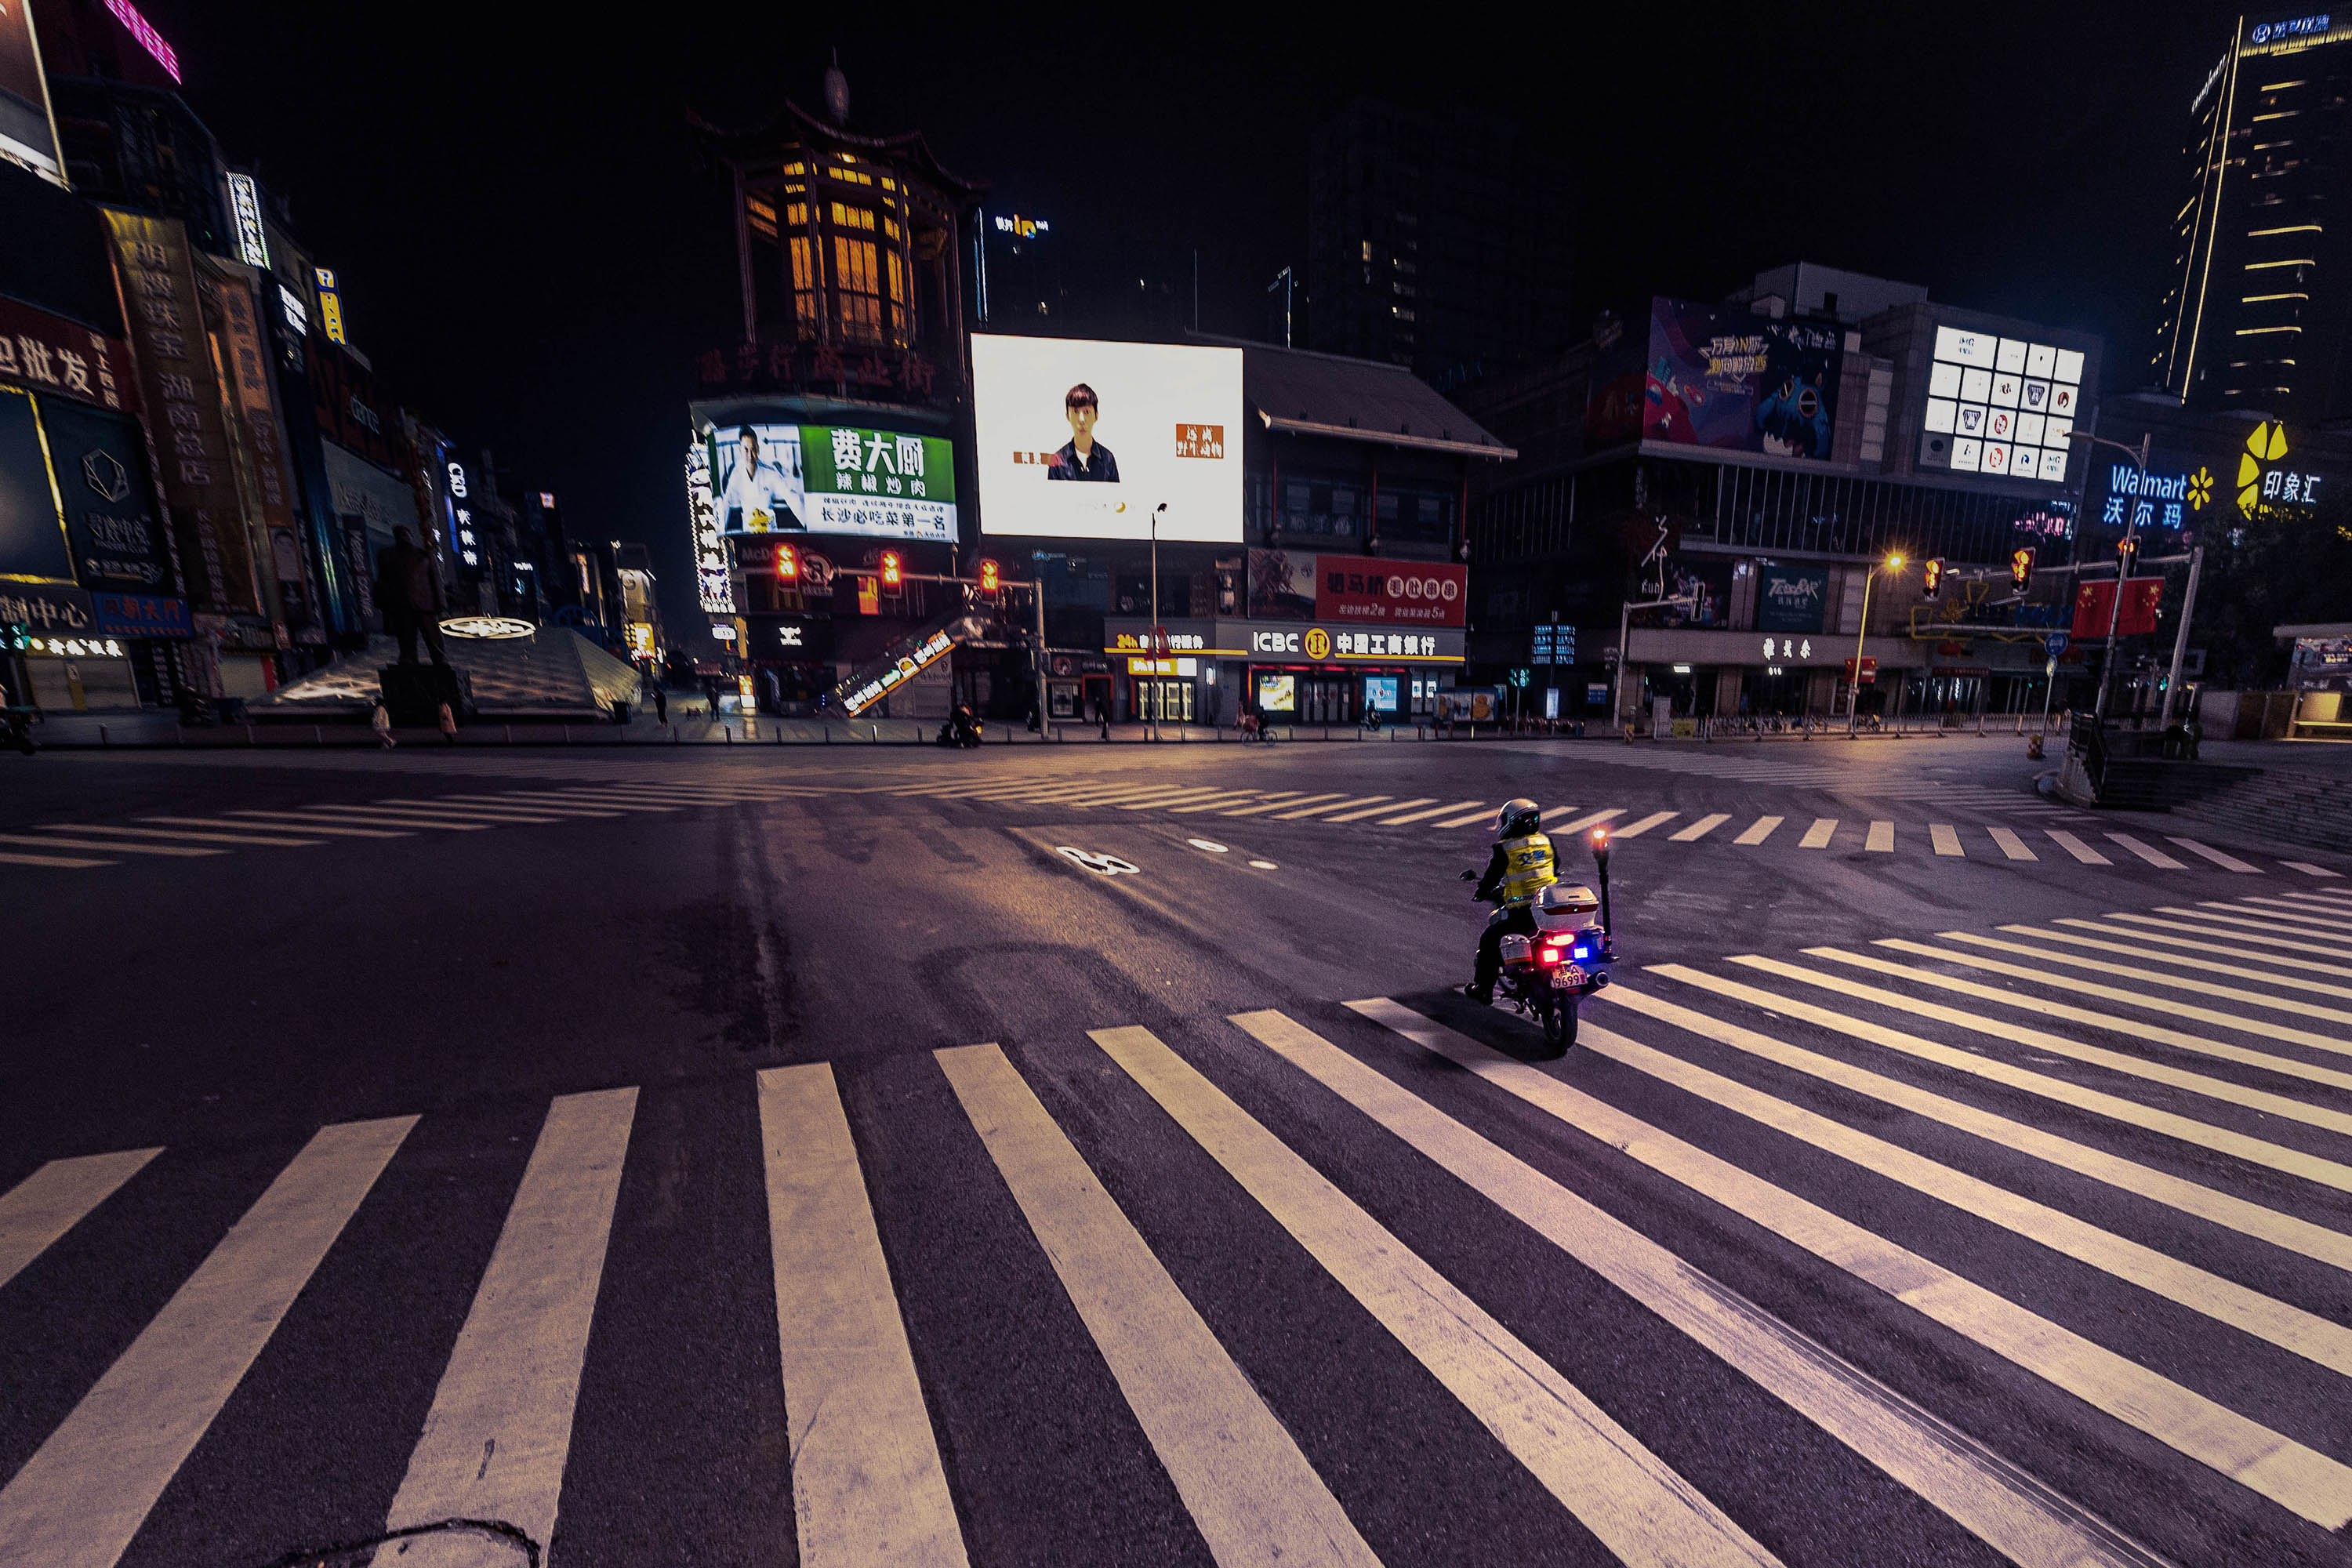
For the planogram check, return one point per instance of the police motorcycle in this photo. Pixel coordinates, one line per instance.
(1544, 975)
(961, 731)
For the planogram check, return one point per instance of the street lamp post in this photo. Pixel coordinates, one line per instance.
(2131, 545)
(1854, 696)
(1159, 632)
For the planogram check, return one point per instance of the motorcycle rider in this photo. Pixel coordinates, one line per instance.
(1522, 866)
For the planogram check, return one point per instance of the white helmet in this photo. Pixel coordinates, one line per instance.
(1518, 817)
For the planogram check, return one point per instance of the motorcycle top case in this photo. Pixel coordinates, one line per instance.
(1563, 908)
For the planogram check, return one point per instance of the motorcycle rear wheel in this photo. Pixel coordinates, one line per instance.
(1560, 1023)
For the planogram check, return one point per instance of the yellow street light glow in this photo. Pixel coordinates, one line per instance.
(1895, 563)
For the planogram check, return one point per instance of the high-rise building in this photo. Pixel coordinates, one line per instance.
(1436, 239)
(2259, 313)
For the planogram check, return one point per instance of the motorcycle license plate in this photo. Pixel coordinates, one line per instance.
(1568, 977)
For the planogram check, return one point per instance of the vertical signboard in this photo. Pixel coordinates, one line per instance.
(183, 399)
(110, 515)
(244, 362)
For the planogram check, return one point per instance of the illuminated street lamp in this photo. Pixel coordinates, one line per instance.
(1853, 700)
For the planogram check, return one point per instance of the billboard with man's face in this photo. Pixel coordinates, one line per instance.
(826, 478)
(1081, 439)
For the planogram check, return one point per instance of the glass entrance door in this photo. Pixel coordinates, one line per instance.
(1164, 701)
(1326, 699)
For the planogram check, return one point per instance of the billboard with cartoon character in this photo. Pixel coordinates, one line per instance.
(1718, 376)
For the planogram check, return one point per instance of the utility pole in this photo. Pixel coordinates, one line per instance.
(1159, 632)
(1853, 695)
(2128, 549)
(2181, 638)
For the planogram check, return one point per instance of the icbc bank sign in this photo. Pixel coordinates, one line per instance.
(1419, 593)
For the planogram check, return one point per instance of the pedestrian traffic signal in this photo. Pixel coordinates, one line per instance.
(1931, 577)
(2020, 567)
(14, 637)
(988, 577)
(788, 562)
(891, 576)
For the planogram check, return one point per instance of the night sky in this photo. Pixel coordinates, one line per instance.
(531, 256)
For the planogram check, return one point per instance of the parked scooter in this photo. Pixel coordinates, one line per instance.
(1544, 976)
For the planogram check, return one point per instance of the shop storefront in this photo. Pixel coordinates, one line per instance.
(1213, 670)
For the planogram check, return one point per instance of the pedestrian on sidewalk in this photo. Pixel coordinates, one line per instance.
(661, 706)
(383, 722)
(448, 726)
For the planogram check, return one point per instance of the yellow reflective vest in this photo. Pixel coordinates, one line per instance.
(1528, 868)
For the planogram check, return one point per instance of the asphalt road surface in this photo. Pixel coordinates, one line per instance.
(1081, 1155)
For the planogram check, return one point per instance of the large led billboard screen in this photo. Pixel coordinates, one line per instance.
(1086, 440)
(1721, 377)
(830, 478)
(2000, 405)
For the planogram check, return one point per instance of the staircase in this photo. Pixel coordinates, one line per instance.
(2281, 805)
(911, 655)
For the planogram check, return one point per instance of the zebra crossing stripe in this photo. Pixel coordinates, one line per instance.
(1288, 797)
(2287, 1067)
(2289, 1473)
(109, 846)
(2255, 935)
(1983, 1493)
(509, 800)
(2307, 965)
(1277, 804)
(84, 1493)
(496, 1440)
(2297, 913)
(1215, 802)
(2199, 982)
(1633, 830)
(2320, 940)
(868, 1486)
(2076, 848)
(2131, 1112)
(2227, 862)
(1590, 819)
(1942, 836)
(1147, 804)
(1240, 1473)
(1880, 839)
(1759, 831)
(312, 829)
(1320, 810)
(1817, 836)
(70, 862)
(2292, 1329)
(2200, 1084)
(1699, 830)
(1628, 1497)
(1376, 810)
(53, 1200)
(1432, 811)
(2288, 1232)
(569, 798)
(344, 816)
(2308, 870)
(254, 838)
(2154, 856)
(435, 809)
(2011, 843)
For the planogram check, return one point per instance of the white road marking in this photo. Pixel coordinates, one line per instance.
(2131, 1112)
(247, 838)
(1277, 804)
(1628, 1497)
(2296, 910)
(2289, 1232)
(1759, 831)
(53, 1200)
(85, 1492)
(71, 862)
(111, 846)
(1468, 817)
(1392, 805)
(2257, 935)
(2287, 1472)
(1942, 835)
(1432, 811)
(1984, 1494)
(2308, 870)
(1880, 838)
(1239, 1472)
(1817, 836)
(436, 810)
(1590, 819)
(2076, 848)
(868, 1486)
(529, 797)
(510, 802)
(1322, 810)
(2011, 843)
(2318, 937)
(496, 1438)
(313, 828)
(2227, 862)
(1217, 802)
(2199, 980)
(1656, 820)
(1699, 830)
(2149, 853)
(344, 814)
(1549, 812)
(1172, 799)
(2169, 937)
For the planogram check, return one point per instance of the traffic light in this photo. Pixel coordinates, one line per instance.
(14, 637)
(1931, 577)
(788, 563)
(2020, 567)
(891, 576)
(988, 577)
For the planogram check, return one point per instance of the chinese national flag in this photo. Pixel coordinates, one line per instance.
(2094, 602)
